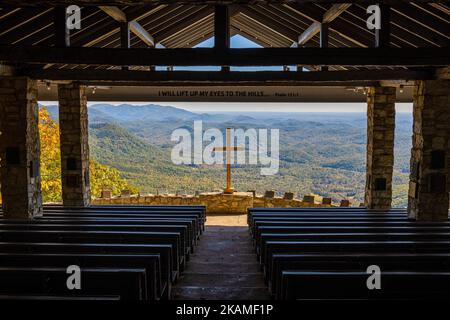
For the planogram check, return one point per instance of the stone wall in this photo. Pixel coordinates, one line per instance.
(429, 187)
(73, 121)
(20, 148)
(261, 202)
(215, 202)
(380, 147)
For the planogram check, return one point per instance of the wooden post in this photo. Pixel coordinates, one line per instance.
(62, 34)
(324, 40)
(125, 37)
(222, 30)
(383, 35)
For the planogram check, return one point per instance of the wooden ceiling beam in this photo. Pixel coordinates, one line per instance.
(18, 3)
(23, 35)
(262, 35)
(135, 27)
(427, 16)
(241, 77)
(349, 30)
(309, 33)
(279, 26)
(162, 18)
(298, 24)
(99, 27)
(23, 28)
(383, 35)
(221, 27)
(184, 24)
(404, 33)
(61, 32)
(335, 11)
(193, 35)
(243, 31)
(236, 57)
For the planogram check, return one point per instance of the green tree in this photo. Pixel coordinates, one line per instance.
(101, 176)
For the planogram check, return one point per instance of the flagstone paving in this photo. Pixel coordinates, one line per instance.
(224, 265)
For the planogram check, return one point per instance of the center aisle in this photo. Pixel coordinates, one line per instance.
(224, 266)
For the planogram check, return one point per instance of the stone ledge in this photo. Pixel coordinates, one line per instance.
(215, 202)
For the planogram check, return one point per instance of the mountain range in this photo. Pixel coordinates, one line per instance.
(321, 153)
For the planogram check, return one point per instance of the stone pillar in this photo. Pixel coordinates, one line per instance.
(73, 121)
(20, 148)
(380, 147)
(428, 196)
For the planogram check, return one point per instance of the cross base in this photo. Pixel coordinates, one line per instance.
(228, 191)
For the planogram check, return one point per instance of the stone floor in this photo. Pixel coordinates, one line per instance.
(224, 264)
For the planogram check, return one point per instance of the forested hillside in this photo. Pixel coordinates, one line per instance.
(101, 176)
(319, 153)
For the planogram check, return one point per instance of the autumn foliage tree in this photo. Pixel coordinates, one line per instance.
(101, 176)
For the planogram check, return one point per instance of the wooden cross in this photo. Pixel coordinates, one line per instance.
(229, 189)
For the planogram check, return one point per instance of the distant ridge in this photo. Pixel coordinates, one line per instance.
(321, 153)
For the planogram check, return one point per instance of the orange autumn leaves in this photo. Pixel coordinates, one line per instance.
(50, 157)
(101, 177)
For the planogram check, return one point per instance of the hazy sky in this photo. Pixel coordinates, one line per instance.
(259, 107)
(279, 107)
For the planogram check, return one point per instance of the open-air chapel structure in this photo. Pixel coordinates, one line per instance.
(73, 51)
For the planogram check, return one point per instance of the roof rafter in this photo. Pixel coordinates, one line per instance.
(19, 3)
(344, 28)
(335, 11)
(135, 26)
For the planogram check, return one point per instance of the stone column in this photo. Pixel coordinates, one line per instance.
(20, 148)
(428, 196)
(73, 121)
(380, 147)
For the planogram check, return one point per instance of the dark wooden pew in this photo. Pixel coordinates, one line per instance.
(298, 247)
(353, 261)
(198, 215)
(169, 272)
(294, 243)
(40, 297)
(322, 212)
(182, 230)
(321, 217)
(100, 237)
(122, 207)
(190, 223)
(65, 236)
(150, 263)
(361, 224)
(362, 236)
(129, 284)
(324, 209)
(344, 229)
(106, 215)
(352, 285)
(199, 211)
